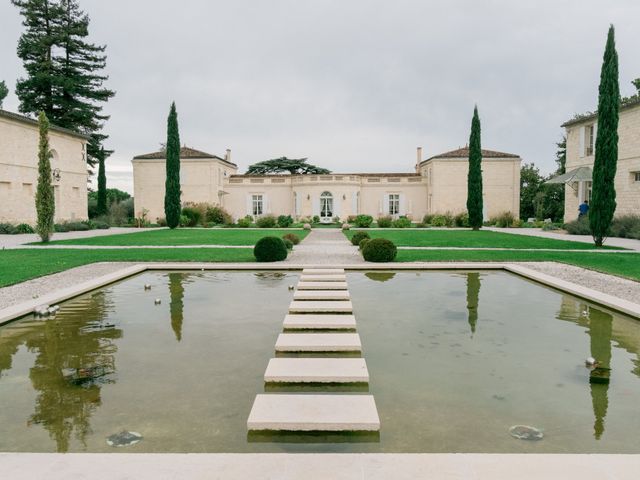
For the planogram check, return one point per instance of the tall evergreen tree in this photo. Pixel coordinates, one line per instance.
(172, 207)
(45, 201)
(102, 185)
(474, 177)
(603, 196)
(4, 91)
(63, 69)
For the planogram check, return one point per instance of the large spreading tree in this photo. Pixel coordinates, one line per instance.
(603, 196)
(294, 166)
(64, 76)
(172, 206)
(474, 177)
(45, 200)
(4, 91)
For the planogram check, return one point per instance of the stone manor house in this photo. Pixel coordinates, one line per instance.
(438, 185)
(19, 139)
(581, 141)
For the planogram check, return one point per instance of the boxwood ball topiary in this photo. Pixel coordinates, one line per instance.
(363, 242)
(358, 237)
(288, 243)
(292, 237)
(270, 249)
(379, 250)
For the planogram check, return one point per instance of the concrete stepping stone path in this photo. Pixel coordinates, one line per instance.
(322, 295)
(320, 302)
(317, 370)
(334, 413)
(318, 342)
(322, 286)
(319, 322)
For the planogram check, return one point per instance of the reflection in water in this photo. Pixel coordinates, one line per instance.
(473, 292)
(599, 327)
(380, 276)
(74, 358)
(176, 306)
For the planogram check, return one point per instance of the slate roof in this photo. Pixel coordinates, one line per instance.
(594, 115)
(464, 153)
(31, 121)
(185, 152)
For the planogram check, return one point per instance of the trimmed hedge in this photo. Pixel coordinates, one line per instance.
(292, 237)
(379, 250)
(268, 221)
(358, 237)
(385, 222)
(363, 221)
(270, 249)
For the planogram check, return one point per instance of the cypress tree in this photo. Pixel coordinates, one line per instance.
(172, 207)
(63, 69)
(102, 185)
(45, 201)
(603, 196)
(474, 177)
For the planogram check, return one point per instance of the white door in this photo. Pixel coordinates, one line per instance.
(326, 207)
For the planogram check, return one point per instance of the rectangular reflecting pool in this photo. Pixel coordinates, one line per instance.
(455, 360)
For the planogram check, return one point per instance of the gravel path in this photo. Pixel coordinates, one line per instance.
(602, 282)
(21, 292)
(11, 241)
(325, 246)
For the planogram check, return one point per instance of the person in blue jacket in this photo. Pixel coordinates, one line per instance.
(583, 209)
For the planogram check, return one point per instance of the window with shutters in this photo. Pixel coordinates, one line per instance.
(590, 140)
(394, 204)
(257, 205)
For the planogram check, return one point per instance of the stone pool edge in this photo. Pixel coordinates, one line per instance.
(285, 466)
(614, 303)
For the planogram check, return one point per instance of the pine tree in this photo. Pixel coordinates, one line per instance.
(172, 207)
(603, 196)
(102, 185)
(4, 91)
(45, 201)
(63, 69)
(474, 177)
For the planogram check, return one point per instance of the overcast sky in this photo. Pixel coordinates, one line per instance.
(354, 85)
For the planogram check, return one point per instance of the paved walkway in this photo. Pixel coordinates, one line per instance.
(11, 241)
(325, 246)
(629, 243)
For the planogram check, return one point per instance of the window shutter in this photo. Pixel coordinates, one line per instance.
(249, 205)
(315, 203)
(354, 203)
(582, 141)
(297, 204)
(403, 203)
(337, 204)
(595, 136)
(266, 205)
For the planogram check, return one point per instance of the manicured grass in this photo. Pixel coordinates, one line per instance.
(184, 236)
(20, 265)
(471, 239)
(621, 264)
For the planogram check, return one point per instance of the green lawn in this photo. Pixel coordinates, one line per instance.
(622, 264)
(20, 265)
(470, 239)
(183, 236)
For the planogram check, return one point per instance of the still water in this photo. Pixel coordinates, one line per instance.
(455, 360)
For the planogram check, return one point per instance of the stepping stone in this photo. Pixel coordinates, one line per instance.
(335, 413)
(322, 286)
(329, 322)
(321, 306)
(321, 295)
(323, 271)
(317, 370)
(323, 278)
(318, 342)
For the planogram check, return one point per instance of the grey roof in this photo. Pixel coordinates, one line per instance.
(185, 152)
(31, 121)
(594, 115)
(464, 153)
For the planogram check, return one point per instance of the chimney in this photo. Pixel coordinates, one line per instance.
(227, 156)
(419, 159)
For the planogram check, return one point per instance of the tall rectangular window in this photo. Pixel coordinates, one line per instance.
(394, 204)
(590, 139)
(257, 205)
(636, 176)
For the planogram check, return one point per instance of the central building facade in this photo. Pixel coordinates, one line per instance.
(438, 185)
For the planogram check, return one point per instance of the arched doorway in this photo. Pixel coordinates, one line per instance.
(326, 207)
